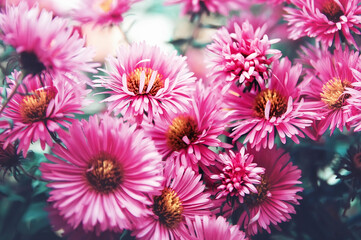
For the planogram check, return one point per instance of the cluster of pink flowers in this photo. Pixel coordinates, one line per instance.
(172, 157)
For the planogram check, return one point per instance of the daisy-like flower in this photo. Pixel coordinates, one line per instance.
(353, 95)
(39, 108)
(238, 175)
(325, 20)
(102, 12)
(52, 47)
(276, 194)
(100, 179)
(182, 198)
(212, 228)
(145, 81)
(330, 76)
(186, 137)
(241, 53)
(214, 6)
(275, 110)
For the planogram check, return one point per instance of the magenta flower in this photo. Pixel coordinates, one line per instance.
(239, 53)
(52, 47)
(325, 20)
(40, 108)
(100, 179)
(276, 110)
(353, 93)
(238, 175)
(212, 228)
(102, 12)
(277, 192)
(145, 81)
(181, 199)
(186, 137)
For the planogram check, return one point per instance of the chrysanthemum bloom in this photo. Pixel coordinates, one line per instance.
(102, 12)
(276, 110)
(353, 93)
(238, 175)
(212, 228)
(330, 76)
(41, 108)
(214, 6)
(182, 198)
(325, 20)
(145, 81)
(239, 53)
(277, 192)
(9, 159)
(52, 47)
(186, 137)
(100, 178)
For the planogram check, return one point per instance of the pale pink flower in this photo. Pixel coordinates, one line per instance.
(324, 20)
(143, 81)
(100, 178)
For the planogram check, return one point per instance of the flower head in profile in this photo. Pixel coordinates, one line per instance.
(102, 12)
(238, 175)
(239, 53)
(186, 137)
(52, 47)
(211, 228)
(326, 20)
(276, 194)
(40, 107)
(146, 83)
(10, 159)
(275, 110)
(100, 178)
(181, 199)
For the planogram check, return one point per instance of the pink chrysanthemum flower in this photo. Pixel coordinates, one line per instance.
(276, 110)
(102, 12)
(182, 198)
(239, 53)
(212, 228)
(238, 175)
(186, 137)
(100, 179)
(215, 6)
(145, 81)
(329, 77)
(40, 108)
(325, 20)
(45, 44)
(354, 99)
(277, 192)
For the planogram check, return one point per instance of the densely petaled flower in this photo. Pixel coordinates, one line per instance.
(325, 20)
(45, 44)
(274, 110)
(277, 192)
(102, 12)
(215, 6)
(354, 100)
(187, 136)
(100, 178)
(145, 81)
(40, 108)
(238, 175)
(212, 228)
(182, 198)
(330, 75)
(239, 53)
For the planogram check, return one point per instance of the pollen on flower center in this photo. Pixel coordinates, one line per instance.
(332, 10)
(30, 63)
(104, 174)
(278, 103)
(168, 207)
(33, 107)
(133, 81)
(106, 5)
(263, 188)
(333, 93)
(181, 126)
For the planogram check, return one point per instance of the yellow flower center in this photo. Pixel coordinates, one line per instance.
(332, 10)
(168, 207)
(333, 93)
(181, 126)
(106, 5)
(278, 103)
(133, 81)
